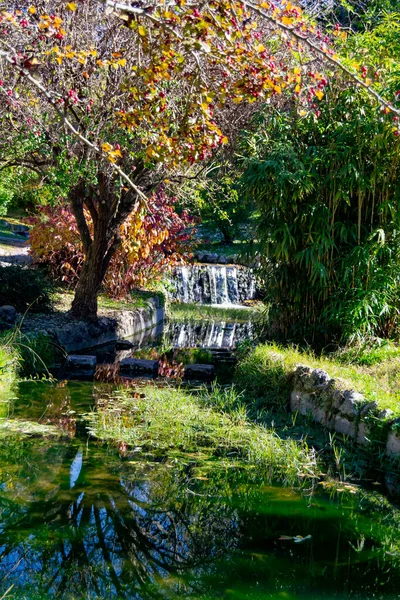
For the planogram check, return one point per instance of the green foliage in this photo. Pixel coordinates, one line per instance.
(203, 312)
(25, 289)
(266, 375)
(221, 205)
(328, 192)
(168, 422)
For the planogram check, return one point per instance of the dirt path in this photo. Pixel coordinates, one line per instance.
(13, 255)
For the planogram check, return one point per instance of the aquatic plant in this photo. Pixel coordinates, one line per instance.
(169, 422)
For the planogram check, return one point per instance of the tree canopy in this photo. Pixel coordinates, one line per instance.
(112, 99)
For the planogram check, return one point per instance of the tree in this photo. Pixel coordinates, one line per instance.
(114, 99)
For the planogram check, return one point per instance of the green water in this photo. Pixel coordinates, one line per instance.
(79, 521)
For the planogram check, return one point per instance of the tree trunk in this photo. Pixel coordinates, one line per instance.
(91, 277)
(97, 260)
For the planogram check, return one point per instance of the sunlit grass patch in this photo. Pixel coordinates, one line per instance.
(166, 421)
(265, 373)
(205, 312)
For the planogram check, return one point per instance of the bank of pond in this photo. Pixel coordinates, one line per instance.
(124, 487)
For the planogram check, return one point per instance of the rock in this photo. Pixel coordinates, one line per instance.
(81, 361)
(363, 434)
(320, 378)
(123, 345)
(199, 371)
(350, 407)
(8, 314)
(81, 365)
(139, 366)
(344, 426)
(393, 444)
(302, 377)
(368, 408)
(386, 413)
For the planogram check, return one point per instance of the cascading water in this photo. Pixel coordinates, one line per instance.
(208, 334)
(213, 284)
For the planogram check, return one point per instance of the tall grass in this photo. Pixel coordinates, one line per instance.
(166, 421)
(266, 375)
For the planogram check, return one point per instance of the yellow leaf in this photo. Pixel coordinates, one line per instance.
(319, 94)
(368, 81)
(287, 20)
(297, 89)
(142, 30)
(260, 48)
(106, 147)
(32, 10)
(71, 6)
(59, 60)
(122, 62)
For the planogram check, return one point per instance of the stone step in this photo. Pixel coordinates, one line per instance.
(81, 365)
(139, 366)
(199, 371)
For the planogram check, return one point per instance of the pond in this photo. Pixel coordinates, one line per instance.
(79, 520)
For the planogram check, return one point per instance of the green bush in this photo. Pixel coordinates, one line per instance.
(25, 289)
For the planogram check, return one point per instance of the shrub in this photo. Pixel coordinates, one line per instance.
(25, 289)
(150, 244)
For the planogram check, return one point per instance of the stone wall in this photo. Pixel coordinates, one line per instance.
(348, 412)
(74, 335)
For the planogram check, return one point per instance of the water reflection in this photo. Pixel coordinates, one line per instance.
(79, 522)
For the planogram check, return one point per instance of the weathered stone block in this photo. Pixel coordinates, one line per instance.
(368, 408)
(393, 444)
(363, 434)
(81, 365)
(320, 378)
(83, 361)
(199, 371)
(123, 345)
(344, 426)
(139, 366)
(351, 405)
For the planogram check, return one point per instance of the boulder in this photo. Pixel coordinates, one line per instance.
(139, 366)
(199, 371)
(8, 314)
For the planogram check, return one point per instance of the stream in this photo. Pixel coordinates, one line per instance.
(80, 521)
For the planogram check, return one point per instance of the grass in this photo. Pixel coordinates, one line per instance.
(265, 373)
(138, 298)
(168, 422)
(204, 312)
(6, 233)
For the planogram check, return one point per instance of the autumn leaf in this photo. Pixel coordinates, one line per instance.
(71, 6)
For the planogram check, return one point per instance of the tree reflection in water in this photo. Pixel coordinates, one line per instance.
(79, 522)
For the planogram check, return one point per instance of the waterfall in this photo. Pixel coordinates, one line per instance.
(208, 334)
(213, 284)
